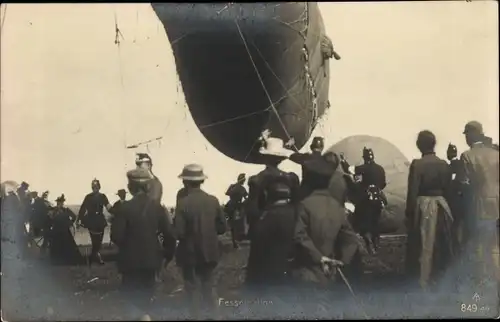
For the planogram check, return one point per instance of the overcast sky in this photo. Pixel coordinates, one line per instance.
(71, 100)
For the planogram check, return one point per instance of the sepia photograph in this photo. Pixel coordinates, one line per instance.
(249, 161)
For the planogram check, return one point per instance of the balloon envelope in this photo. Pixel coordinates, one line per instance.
(247, 67)
(396, 167)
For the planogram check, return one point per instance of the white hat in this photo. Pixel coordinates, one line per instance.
(192, 172)
(275, 146)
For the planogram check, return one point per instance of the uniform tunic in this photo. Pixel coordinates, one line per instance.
(91, 212)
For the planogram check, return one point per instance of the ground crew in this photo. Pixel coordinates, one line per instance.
(91, 216)
(198, 220)
(234, 208)
(323, 234)
(428, 216)
(317, 146)
(135, 231)
(369, 200)
(480, 172)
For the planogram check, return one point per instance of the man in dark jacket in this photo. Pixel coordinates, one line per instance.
(234, 210)
(156, 188)
(272, 241)
(198, 220)
(317, 146)
(371, 199)
(322, 232)
(122, 194)
(480, 173)
(134, 230)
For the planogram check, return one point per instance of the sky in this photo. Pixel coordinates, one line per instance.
(71, 99)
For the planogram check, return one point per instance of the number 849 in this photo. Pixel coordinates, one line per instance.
(468, 308)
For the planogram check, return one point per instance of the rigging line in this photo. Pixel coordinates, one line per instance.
(3, 18)
(262, 82)
(267, 109)
(233, 119)
(278, 79)
(120, 71)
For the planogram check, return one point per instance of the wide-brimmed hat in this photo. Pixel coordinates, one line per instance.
(275, 147)
(192, 172)
(139, 175)
(121, 192)
(62, 198)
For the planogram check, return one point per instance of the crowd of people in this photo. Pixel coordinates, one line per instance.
(300, 232)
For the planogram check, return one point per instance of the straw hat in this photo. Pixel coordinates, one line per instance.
(192, 172)
(275, 147)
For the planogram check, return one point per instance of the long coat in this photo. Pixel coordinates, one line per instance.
(480, 173)
(198, 220)
(321, 230)
(272, 245)
(134, 230)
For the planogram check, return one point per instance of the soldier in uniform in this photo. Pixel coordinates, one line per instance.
(198, 220)
(273, 152)
(156, 188)
(91, 216)
(370, 199)
(317, 146)
(428, 216)
(480, 172)
(134, 230)
(237, 194)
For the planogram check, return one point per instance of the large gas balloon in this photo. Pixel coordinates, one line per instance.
(247, 67)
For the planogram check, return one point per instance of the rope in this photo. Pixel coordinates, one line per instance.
(3, 18)
(118, 34)
(356, 300)
(262, 82)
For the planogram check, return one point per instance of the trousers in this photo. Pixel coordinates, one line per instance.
(200, 286)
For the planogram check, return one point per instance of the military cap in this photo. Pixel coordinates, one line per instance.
(473, 127)
(139, 175)
(24, 184)
(368, 153)
(318, 142)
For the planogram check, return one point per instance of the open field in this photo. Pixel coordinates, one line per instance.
(82, 293)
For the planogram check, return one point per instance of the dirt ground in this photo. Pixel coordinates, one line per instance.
(80, 293)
